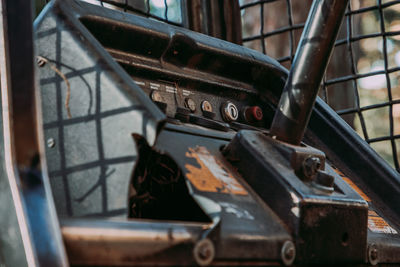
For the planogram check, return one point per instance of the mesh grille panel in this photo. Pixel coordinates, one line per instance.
(362, 79)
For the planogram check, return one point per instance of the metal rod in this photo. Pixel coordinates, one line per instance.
(309, 65)
(32, 204)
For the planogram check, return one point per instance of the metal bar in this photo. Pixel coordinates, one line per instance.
(369, 107)
(274, 32)
(366, 36)
(262, 40)
(312, 55)
(166, 10)
(215, 18)
(31, 197)
(349, 44)
(383, 138)
(101, 242)
(389, 86)
(360, 76)
(291, 33)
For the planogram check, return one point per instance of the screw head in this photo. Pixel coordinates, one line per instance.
(204, 252)
(373, 256)
(288, 253)
(310, 167)
(40, 62)
(51, 142)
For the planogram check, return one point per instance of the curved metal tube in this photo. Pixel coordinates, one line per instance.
(309, 65)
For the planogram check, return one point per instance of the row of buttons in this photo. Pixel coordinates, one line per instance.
(229, 110)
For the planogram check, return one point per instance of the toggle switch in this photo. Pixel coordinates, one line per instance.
(229, 112)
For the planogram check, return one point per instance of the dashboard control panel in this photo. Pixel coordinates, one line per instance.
(209, 106)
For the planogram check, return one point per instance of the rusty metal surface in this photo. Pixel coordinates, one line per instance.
(309, 208)
(103, 96)
(102, 99)
(94, 242)
(247, 230)
(241, 230)
(235, 226)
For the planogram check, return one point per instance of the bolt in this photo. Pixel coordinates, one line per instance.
(310, 167)
(51, 142)
(204, 252)
(288, 253)
(40, 61)
(373, 254)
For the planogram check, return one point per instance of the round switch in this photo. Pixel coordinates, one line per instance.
(155, 96)
(253, 113)
(206, 106)
(229, 112)
(190, 104)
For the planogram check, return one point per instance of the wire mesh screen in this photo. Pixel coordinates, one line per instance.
(362, 82)
(169, 11)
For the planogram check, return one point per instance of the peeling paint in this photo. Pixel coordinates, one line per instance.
(212, 176)
(378, 225)
(296, 211)
(294, 198)
(237, 211)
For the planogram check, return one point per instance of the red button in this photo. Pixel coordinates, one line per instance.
(254, 113)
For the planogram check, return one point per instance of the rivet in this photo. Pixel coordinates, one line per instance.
(51, 142)
(204, 252)
(288, 253)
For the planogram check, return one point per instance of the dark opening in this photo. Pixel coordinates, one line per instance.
(160, 189)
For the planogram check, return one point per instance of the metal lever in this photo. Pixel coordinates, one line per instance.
(309, 65)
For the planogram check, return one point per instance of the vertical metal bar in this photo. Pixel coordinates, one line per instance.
(262, 39)
(389, 86)
(309, 65)
(185, 11)
(353, 65)
(291, 35)
(166, 10)
(220, 19)
(39, 228)
(148, 7)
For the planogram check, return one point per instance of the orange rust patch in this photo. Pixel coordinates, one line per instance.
(353, 185)
(212, 176)
(378, 224)
(357, 189)
(375, 222)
